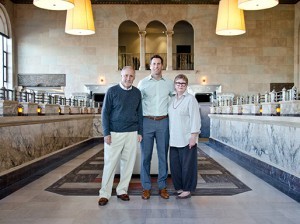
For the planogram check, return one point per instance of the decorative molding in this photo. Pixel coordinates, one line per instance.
(137, 2)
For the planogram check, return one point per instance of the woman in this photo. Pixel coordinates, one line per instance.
(185, 123)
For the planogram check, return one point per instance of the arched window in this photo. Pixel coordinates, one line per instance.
(156, 42)
(183, 46)
(6, 79)
(129, 45)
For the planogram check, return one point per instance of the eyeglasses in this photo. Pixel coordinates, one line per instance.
(180, 83)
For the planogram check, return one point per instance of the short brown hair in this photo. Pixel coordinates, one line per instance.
(157, 56)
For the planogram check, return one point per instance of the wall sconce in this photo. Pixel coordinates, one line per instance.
(231, 20)
(102, 80)
(80, 19)
(54, 4)
(257, 4)
(203, 80)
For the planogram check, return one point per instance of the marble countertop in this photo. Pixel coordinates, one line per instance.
(278, 120)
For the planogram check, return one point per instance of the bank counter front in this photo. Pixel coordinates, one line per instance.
(268, 146)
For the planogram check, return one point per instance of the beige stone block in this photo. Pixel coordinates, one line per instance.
(208, 51)
(279, 42)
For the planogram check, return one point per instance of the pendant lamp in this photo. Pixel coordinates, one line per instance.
(257, 4)
(54, 4)
(231, 20)
(80, 19)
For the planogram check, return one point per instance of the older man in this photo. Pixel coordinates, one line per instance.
(122, 121)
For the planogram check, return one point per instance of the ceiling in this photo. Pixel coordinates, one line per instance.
(214, 2)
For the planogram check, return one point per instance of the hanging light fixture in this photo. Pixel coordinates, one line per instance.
(54, 4)
(80, 19)
(257, 4)
(231, 20)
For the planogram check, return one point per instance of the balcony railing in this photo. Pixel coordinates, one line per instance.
(182, 61)
(129, 59)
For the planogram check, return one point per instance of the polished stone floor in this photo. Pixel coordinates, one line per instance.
(262, 205)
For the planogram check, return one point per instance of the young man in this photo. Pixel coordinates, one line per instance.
(156, 91)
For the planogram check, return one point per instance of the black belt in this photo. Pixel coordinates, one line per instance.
(157, 118)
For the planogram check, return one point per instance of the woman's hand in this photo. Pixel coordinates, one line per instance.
(193, 140)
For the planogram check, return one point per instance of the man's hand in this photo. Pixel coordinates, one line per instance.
(140, 138)
(107, 139)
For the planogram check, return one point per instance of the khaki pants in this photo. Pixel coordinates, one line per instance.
(122, 149)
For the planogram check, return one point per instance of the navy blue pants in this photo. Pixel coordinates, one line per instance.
(184, 167)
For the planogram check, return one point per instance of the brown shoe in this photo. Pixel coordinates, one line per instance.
(146, 194)
(164, 193)
(102, 201)
(124, 197)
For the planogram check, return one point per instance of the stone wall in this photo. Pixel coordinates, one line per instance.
(246, 63)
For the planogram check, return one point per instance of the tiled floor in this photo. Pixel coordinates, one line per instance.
(263, 205)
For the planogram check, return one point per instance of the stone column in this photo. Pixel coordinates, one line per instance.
(142, 50)
(169, 50)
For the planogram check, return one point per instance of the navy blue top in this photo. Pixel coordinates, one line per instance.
(122, 111)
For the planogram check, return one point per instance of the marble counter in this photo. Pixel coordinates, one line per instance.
(272, 139)
(266, 145)
(25, 138)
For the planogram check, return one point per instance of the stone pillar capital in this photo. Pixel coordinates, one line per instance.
(169, 32)
(142, 32)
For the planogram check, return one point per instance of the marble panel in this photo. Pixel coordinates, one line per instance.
(26, 138)
(255, 109)
(75, 110)
(269, 108)
(83, 110)
(290, 108)
(213, 110)
(29, 109)
(97, 126)
(227, 110)
(273, 140)
(246, 110)
(64, 109)
(90, 110)
(8, 108)
(237, 109)
(49, 109)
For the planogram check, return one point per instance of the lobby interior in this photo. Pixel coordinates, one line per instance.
(40, 149)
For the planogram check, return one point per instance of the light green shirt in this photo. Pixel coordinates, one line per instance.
(155, 95)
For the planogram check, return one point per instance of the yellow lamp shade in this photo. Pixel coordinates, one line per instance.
(80, 19)
(230, 19)
(257, 4)
(54, 4)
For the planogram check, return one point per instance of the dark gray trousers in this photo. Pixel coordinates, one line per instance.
(184, 167)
